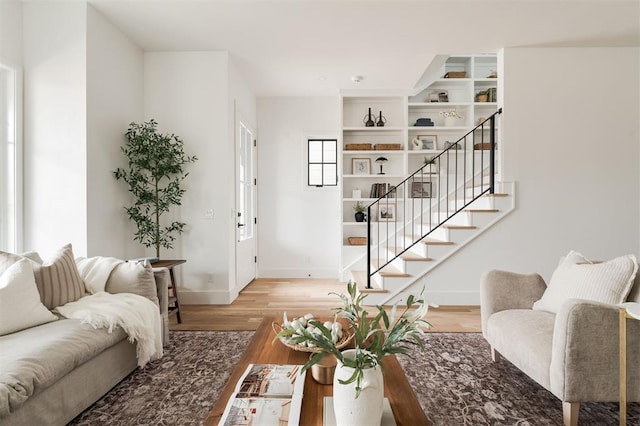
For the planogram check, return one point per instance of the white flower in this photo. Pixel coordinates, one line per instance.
(451, 113)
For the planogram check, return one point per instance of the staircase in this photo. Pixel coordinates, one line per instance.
(430, 224)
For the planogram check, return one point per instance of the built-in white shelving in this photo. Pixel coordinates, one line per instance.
(472, 97)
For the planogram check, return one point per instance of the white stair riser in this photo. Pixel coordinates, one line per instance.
(461, 218)
(414, 268)
(438, 251)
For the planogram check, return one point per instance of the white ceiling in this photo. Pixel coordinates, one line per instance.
(314, 47)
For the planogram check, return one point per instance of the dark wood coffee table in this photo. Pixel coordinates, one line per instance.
(406, 408)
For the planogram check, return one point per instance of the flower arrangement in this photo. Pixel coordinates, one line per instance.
(374, 336)
(450, 114)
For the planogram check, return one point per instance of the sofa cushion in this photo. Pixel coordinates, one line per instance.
(20, 305)
(533, 330)
(576, 277)
(37, 357)
(7, 259)
(58, 279)
(32, 255)
(133, 277)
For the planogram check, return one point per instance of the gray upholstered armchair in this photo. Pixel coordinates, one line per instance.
(574, 353)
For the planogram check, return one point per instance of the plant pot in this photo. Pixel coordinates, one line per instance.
(367, 408)
(359, 216)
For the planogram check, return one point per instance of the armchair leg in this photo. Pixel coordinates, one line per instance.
(495, 355)
(570, 411)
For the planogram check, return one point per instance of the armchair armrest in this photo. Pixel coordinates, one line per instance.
(502, 290)
(161, 276)
(585, 353)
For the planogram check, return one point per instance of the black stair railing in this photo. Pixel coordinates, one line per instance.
(407, 213)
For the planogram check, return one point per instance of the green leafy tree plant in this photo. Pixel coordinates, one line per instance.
(155, 174)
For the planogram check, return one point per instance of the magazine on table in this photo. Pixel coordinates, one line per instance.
(265, 395)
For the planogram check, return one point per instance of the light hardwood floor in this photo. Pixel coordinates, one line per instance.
(272, 297)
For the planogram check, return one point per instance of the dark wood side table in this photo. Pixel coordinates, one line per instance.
(174, 304)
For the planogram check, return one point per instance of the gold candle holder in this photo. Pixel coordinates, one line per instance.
(322, 372)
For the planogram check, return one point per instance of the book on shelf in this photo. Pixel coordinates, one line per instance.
(381, 189)
(266, 394)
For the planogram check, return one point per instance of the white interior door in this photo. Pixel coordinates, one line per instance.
(246, 217)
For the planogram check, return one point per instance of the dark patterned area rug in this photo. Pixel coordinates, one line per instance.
(178, 389)
(457, 384)
(453, 377)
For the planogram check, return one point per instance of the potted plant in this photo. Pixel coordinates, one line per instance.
(358, 382)
(155, 173)
(360, 209)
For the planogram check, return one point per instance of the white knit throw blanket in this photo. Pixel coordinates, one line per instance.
(137, 315)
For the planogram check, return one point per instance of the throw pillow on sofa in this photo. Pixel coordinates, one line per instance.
(133, 277)
(20, 305)
(58, 279)
(7, 259)
(576, 277)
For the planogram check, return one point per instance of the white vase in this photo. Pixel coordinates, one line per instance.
(366, 410)
(450, 121)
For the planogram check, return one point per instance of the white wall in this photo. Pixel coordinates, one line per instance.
(299, 227)
(188, 94)
(571, 144)
(11, 31)
(114, 99)
(55, 188)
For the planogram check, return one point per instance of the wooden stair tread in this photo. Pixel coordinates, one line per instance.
(433, 242)
(459, 226)
(497, 194)
(360, 277)
(390, 271)
(415, 258)
(482, 210)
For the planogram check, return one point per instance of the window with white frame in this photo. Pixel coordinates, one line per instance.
(10, 164)
(322, 162)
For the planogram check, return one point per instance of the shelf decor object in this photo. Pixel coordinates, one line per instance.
(451, 117)
(361, 166)
(381, 161)
(357, 241)
(368, 120)
(380, 120)
(387, 147)
(358, 147)
(455, 74)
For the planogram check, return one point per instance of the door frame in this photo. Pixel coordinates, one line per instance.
(239, 120)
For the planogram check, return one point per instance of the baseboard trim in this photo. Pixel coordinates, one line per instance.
(211, 297)
(453, 298)
(443, 298)
(298, 273)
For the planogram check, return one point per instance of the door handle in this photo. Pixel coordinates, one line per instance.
(240, 225)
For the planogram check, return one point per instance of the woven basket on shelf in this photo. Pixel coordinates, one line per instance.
(455, 74)
(357, 147)
(347, 335)
(387, 147)
(357, 241)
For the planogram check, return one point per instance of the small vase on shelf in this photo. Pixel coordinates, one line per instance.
(368, 120)
(381, 120)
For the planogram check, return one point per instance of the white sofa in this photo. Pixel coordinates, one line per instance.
(52, 372)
